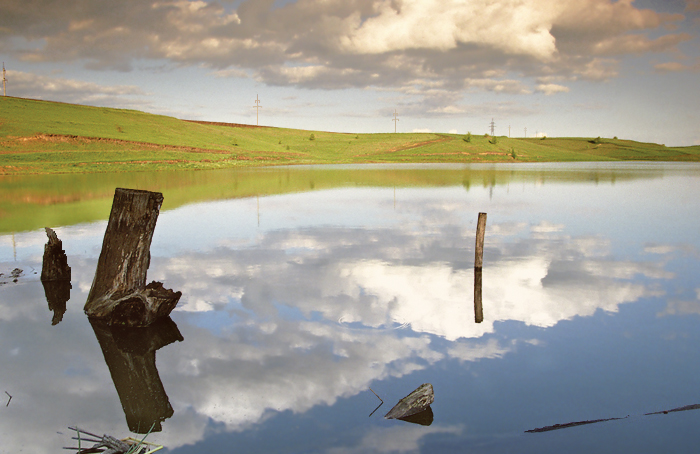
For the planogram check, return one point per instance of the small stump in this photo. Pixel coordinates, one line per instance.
(55, 276)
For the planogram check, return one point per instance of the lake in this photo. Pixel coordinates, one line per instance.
(313, 295)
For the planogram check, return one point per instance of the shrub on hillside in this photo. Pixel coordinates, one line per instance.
(312, 137)
(468, 137)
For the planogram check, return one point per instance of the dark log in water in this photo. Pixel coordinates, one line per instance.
(130, 354)
(571, 424)
(119, 294)
(416, 402)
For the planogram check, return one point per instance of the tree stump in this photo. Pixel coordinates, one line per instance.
(55, 263)
(55, 276)
(119, 294)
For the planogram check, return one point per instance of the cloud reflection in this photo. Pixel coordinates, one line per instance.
(307, 316)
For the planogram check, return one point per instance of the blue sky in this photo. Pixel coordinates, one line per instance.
(557, 67)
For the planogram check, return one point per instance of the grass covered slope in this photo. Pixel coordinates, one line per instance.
(50, 137)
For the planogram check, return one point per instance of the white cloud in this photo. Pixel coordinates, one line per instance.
(456, 44)
(29, 85)
(550, 89)
(510, 26)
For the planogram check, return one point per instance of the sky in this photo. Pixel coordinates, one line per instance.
(561, 68)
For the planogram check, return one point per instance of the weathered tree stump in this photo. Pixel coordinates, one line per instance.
(119, 294)
(55, 264)
(55, 276)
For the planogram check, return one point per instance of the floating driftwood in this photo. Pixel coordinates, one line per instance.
(684, 408)
(594, 421)
(55, 276)
(416, 402)
(570, 424)
(119, 294)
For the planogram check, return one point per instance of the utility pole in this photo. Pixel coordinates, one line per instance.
(509, 131)
(4, 80)
(526, 133)
(493, 126)
(257, 108)
(396, 118)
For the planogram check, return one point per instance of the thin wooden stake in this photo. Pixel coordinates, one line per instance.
(380, 404)
(376, 395)
(480, 232)
(478, 265)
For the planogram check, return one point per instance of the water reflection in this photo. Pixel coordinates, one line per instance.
(130, 354)
(289, 322)
(57, 295)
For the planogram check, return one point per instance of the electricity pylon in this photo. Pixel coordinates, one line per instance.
(257, 108)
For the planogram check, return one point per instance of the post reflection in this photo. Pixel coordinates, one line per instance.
(57, 295)
(478, 307)
(130, 354)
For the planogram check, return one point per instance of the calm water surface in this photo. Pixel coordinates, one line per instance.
(296, 303)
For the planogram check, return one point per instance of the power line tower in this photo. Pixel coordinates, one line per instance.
(4, 80)
(257, 108)
(526, 133)
(396, 118)
(493, 126)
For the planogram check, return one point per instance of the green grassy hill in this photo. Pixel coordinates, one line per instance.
(50, 137)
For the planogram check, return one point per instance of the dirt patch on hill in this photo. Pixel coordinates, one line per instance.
(63, 138)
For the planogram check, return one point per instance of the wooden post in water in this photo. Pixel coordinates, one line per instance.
(478, 264)
(119, 294)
